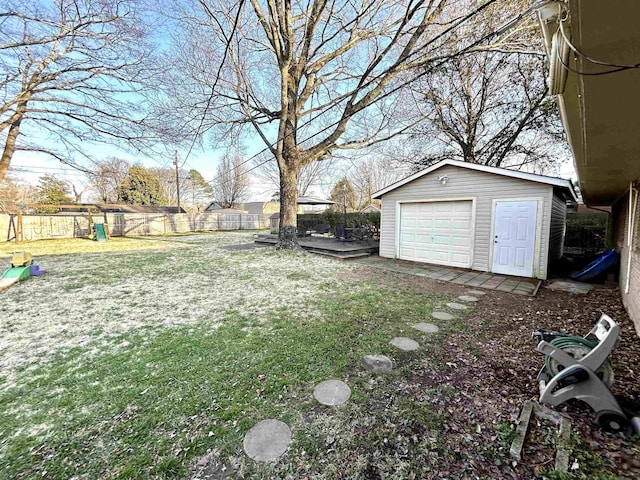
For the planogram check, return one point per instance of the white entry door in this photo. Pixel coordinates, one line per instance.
(436, 232)
(514, 238)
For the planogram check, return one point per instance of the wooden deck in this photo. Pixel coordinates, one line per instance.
(329, 246)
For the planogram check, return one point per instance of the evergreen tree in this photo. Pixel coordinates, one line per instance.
(53, 191)
(344, 194)
(141, 187)
(197, 190)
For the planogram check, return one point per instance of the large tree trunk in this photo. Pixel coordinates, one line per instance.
(12, 136)
(9, 147)
(288, 234)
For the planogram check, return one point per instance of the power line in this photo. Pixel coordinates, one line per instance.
(215, 82)
(456, 24)
(618, 67)
(49, 172)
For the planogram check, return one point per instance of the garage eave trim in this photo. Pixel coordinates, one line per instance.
(532, 177)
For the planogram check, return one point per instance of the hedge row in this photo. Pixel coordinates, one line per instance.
(334, 219)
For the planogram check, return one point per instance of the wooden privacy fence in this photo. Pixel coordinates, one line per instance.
(70, 225)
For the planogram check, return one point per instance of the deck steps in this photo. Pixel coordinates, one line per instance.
(340, 255)
(328, 246)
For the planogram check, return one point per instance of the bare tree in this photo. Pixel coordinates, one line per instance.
(106, 176)
(14, 193)
(309, 175)
(78, 192)
(231, 183)
(167, 178)
(314, 78)
(372, 174)
(492, 107)
(72, 71)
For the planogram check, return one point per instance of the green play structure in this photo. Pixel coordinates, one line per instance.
(101, 233)
(21, 273)
(22, 268)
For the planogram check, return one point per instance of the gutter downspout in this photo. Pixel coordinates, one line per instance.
(633, 204)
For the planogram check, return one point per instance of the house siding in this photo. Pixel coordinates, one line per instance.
(483, 188)
(557, 227)
(631, 300)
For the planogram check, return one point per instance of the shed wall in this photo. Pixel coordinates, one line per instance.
(484, 188)
(557, 227)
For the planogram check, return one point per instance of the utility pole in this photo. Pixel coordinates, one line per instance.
(175, 162)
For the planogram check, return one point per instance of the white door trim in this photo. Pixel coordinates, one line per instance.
(473, 200)
(538, 237)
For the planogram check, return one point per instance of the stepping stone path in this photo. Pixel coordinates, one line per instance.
(332, 392)
(405, 344)
(442, 316)
(477, 292)
(467, 298)
(267, 440)
(457, 306)
(426, 327)
(377, 363)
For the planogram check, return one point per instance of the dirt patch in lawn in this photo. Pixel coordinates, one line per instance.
(492, 364)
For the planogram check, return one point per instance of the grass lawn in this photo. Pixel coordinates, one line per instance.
(146, 359)
(132, 364)
(83, 245)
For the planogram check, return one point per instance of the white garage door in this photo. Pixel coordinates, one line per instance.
(436, 232)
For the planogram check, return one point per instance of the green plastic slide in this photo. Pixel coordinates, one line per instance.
(21, 273)
(101, 233)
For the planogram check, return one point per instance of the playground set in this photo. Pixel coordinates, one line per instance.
(22, 268)
(96, 231)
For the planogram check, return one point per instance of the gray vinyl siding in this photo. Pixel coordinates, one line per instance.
(468, 184)
(557, 227)
(631, 300)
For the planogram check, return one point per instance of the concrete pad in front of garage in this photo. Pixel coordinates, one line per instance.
(570, 286)
(465, 277)
(484, 280)
(479, 280)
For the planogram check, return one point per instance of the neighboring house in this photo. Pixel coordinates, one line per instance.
(117, 208)
(466, 215)
(600, 109)
(213, 208)
(257, 208)
(311, 204)
(371, 209)
(262, 208)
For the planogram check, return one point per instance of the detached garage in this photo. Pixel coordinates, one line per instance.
(465, 215)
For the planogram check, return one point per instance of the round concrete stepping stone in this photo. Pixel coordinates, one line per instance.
(457, 306)
(332, 392)
(267, 440)
(477, 292)
(467, 298)
(426, 327)
(404, 343)
(442, 316)
(377, 363)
